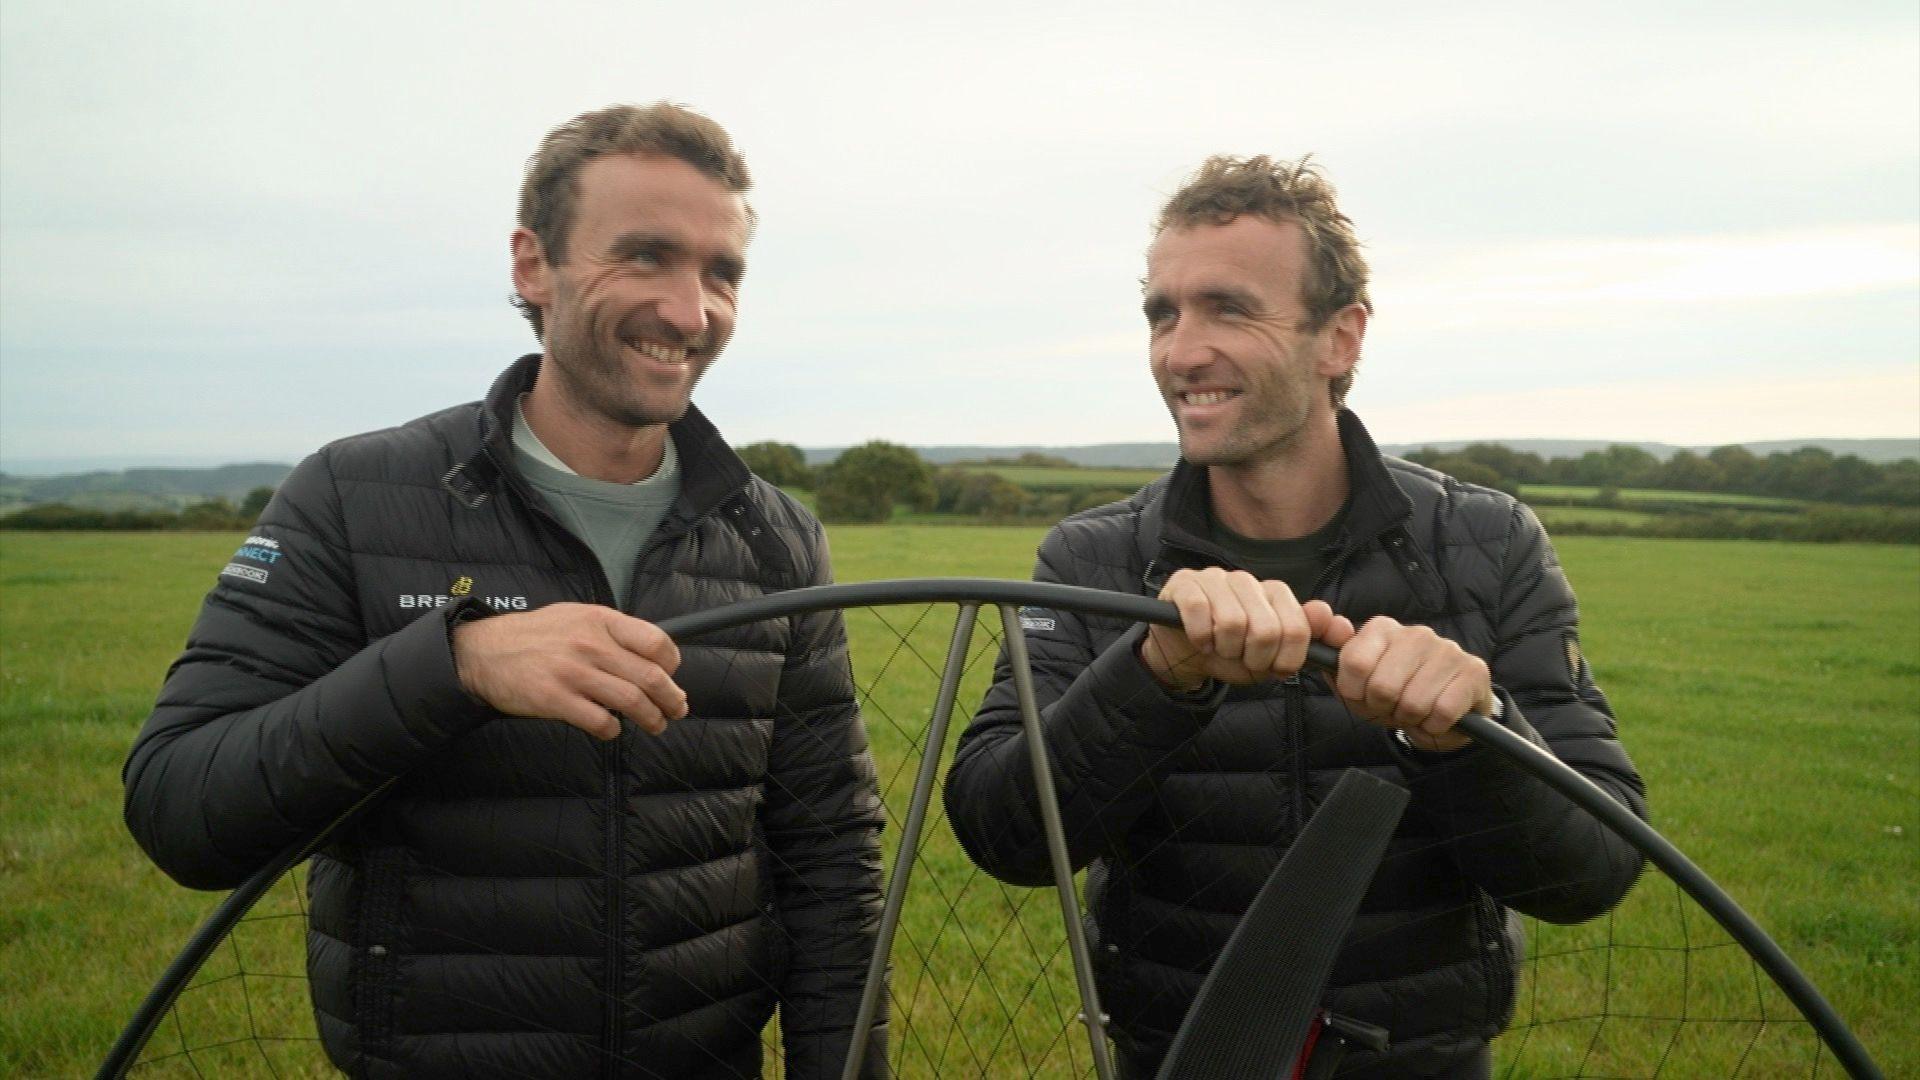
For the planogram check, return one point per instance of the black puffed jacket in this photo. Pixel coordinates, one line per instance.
(1183, 807)
(527, 901)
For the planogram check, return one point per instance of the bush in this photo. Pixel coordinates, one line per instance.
(60, 516)
(1819, 524)
(975, 494)
(213, 515)
(780, 464)
(842, 504)
(1088, 498)
(863, 483)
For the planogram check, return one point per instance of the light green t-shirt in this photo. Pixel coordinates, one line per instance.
(614, 520)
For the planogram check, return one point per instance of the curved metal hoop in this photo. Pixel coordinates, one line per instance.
(977, 592)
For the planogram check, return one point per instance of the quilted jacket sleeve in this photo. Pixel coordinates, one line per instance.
(1524, 843)
(823, 820)
(279, 715)
(1110, 730)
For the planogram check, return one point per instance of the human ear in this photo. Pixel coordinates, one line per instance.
(532, 276)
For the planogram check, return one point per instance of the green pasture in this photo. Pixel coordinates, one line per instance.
(1769, 692)
(1051, 478)
(1629, 496)
(1552, 516)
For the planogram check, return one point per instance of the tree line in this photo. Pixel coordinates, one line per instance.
(865, 483)
(217, 514)
(1809, 473)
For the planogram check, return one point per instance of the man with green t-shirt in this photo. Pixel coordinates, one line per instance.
(1187, 758)
(597, 851)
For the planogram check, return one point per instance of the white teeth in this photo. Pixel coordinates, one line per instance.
(1211, 397)
(663, 353)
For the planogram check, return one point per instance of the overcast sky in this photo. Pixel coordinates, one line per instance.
(236, 231)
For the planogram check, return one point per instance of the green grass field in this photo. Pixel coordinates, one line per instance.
(1044, 478)
(1629, 496)
(1769, 692)
(1551, 516)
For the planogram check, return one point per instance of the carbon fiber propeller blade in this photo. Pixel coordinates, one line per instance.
(1252, 1014)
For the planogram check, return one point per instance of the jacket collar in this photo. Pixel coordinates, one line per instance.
(1174, 528)
(710, 472)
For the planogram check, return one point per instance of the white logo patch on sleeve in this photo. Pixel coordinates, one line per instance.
(1032, 618)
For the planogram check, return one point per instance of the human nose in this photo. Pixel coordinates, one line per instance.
(684, 305)
(1182, 351)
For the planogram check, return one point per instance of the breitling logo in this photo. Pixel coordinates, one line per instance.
(461, 586)
(411, 601)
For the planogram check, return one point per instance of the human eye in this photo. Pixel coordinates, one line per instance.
(1160, 315)
(639, 251)
(728, 273)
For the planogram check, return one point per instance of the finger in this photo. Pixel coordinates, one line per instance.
(1469, 690)
(644, 639)
(1296, 630)
(617, 695)
(1358, 657)
(663, 694)
(649, 677)
(1398, 662)
(1319, 616)
(1424, 685)
(1191, 599)
(1263, 626)
(1338, 631)
(589, 717)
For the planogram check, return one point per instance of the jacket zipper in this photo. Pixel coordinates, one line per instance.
(612, 757)
(616, 899)
(1296, 726)
(615, 755)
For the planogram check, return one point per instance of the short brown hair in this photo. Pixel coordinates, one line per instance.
(552, 183)
(1280, 191)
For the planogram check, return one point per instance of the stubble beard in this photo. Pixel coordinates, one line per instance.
(1273, 418)
(600, 382)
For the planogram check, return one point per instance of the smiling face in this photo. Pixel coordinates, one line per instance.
(1232, 350)
(646, 297)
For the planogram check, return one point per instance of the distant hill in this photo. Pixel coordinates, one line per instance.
(1103, 455)
(142, 488)
(1162, 455)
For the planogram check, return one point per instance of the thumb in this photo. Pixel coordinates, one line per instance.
(1337, 632)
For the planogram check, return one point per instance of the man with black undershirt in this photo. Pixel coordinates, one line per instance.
(1187, 758)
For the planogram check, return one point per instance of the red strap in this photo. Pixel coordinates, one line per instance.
(1306, 1049)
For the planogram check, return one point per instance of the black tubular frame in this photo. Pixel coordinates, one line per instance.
(979, 592)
